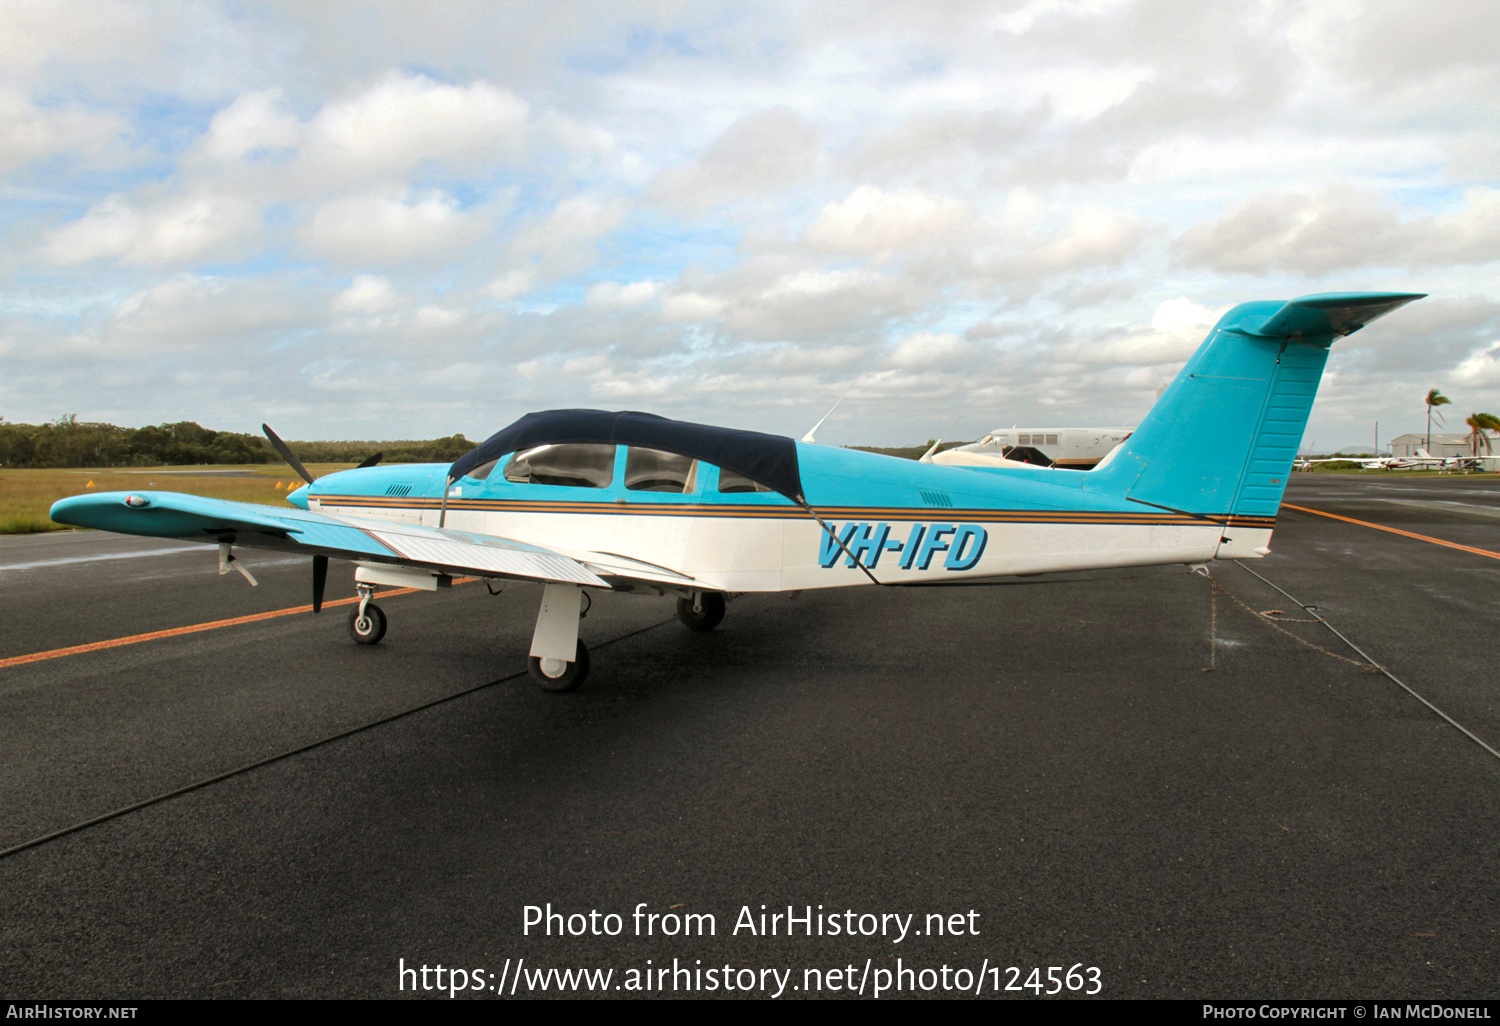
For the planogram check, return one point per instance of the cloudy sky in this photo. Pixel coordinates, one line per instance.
(408, 219)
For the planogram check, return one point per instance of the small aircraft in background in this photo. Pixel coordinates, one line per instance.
(1421, 460)
(1061, 448)
(580, 499)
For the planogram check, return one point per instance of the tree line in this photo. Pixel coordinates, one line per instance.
(69, 442)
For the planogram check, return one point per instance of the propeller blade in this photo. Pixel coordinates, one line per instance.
(320, 581)
(371, 461)
(287, 453)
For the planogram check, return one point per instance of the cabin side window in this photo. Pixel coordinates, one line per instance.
(731, 481)
(651, 470)
(483, 471)
(571, 464)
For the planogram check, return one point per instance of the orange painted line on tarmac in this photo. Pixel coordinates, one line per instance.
(136, 639)
(1392, 530)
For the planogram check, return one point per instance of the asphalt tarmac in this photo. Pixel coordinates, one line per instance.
(1048, 754)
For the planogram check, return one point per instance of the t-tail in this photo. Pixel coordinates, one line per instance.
(1220, 441)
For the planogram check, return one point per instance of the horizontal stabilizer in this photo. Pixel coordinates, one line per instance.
(1327, 314)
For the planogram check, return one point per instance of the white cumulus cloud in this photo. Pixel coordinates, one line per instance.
(564, 241)
(683, 307)
(1479, 369)
(169, 232)
(511, 285)
(927, 349)
(1342, 227)
(1094, 236)
(29, 132)
(253, 122)
(872, 222)
(404, 121)
(368, 293)
(760, 152)
(391, 226)
(612, 295)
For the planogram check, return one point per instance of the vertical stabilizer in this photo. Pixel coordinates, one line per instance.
(1221, 440)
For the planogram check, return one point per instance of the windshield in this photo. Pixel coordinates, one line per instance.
(575, 465)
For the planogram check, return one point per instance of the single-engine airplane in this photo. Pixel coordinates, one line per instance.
(578, 499)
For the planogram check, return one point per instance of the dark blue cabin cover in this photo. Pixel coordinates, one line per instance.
(770, 460)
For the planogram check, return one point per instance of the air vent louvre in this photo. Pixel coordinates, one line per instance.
(398, 489)
(936, 498)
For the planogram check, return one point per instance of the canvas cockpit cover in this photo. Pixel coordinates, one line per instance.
(770, 460)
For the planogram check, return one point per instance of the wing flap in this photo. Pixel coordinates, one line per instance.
(504, 561)
(611, 564)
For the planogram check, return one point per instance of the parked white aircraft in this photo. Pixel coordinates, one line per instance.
(1061, 448)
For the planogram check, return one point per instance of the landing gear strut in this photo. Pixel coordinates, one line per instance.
(559, 660)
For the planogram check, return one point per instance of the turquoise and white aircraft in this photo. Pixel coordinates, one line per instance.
(579, 499)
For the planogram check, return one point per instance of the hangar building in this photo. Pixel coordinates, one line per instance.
(1442, 445)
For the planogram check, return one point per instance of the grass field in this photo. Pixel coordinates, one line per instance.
(27, 495)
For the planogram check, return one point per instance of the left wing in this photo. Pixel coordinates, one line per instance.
(194, 518)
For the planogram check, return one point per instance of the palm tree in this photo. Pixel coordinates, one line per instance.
(1479, 423)
(1434, 398)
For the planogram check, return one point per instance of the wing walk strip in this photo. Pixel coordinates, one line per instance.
(1393, 530)
(173, 632)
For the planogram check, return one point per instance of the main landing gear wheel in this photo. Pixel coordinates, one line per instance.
(556, 675)
(706, 618)
(367, 629)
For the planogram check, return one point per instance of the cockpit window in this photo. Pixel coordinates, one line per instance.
(573, 464)
(651, 470)
(733, 481)
(483, 471)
